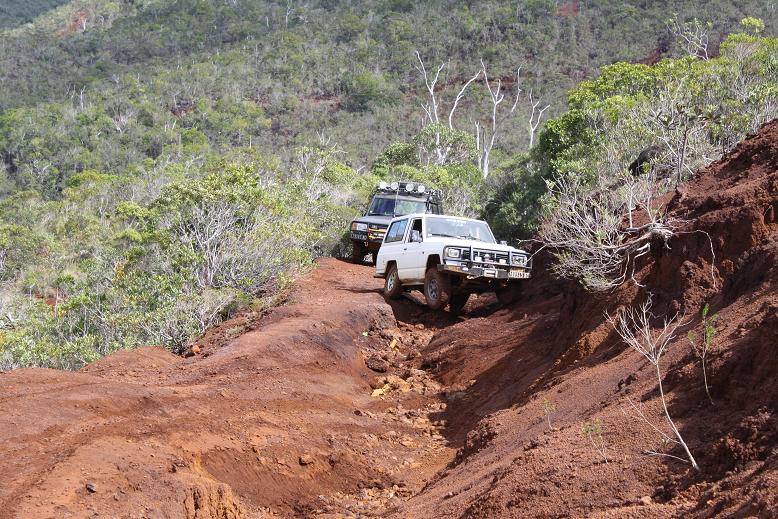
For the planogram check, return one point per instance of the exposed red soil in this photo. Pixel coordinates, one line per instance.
(567, 9)
(76, 23)
(272, 414)
(558, 352)
(478, 416)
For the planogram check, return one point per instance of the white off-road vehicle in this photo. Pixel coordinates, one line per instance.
(448, 258)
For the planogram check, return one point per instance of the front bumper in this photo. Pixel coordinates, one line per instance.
(469, 272)
(372, 237)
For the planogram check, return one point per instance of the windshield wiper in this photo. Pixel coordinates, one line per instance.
(445, 235)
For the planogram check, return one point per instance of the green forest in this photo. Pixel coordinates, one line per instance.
(167, 163)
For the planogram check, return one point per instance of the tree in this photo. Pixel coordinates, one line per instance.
(442, 146)
(485, 135)
(634, 326)
(584, 228)
(705, 345)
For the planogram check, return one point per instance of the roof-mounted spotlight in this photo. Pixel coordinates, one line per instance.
(394, 186)
(409, 187)
(420, 188)
(382, 185)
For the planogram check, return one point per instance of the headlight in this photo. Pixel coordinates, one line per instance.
(358, 226)
(453, 253)
(519, 260)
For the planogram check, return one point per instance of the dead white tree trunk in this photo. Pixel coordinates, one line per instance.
(432, 109)
(487, 134)
(535, 117)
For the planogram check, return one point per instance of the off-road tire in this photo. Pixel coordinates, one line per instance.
(458, 302)
(358, 253)
(509, 294)
(437, 289)
(392, 287)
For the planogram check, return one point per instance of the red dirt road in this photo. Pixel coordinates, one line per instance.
(473, 417)
(269, 420)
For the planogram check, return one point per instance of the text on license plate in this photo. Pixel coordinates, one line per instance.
(518, 274)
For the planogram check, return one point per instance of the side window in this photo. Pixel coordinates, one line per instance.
(396, 231)
(415, 227)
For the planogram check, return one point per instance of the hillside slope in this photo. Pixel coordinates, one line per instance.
(15, 12)
(280, 414)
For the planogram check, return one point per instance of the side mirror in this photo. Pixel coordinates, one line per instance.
(416, 236)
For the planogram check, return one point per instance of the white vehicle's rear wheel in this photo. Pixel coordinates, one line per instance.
(437, 289)
(392, 287)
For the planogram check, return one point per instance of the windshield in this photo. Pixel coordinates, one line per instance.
(390, 207)
(456, 228)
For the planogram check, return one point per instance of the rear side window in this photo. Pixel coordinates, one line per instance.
(396, 231)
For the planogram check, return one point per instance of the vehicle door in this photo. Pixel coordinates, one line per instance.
(393, 245)
(414, 254)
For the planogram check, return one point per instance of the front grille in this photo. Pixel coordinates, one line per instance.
(488, 257)
(376, 231)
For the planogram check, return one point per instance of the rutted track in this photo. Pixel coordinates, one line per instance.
(276, 414)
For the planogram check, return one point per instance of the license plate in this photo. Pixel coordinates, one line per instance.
(518, 274)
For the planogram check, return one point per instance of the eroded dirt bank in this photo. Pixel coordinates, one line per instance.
(338, 404)
(552, 363)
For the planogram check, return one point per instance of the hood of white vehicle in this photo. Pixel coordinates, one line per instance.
(454, 242)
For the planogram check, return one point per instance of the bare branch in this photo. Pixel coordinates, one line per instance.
(459, 97)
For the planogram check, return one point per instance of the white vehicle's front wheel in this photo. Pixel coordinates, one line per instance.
(392, 286)
(437, 289)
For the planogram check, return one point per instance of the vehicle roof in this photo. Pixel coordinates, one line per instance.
(430, 215)
(420, 197)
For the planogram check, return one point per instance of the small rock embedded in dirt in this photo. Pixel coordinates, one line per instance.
(91, 487)
(414, 373)
(376, 363)
(378, 383)
(396, 382)
(306, 459)
(646, 500)
(195, 349)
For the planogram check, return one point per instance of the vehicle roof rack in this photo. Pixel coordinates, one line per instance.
(408, 188)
